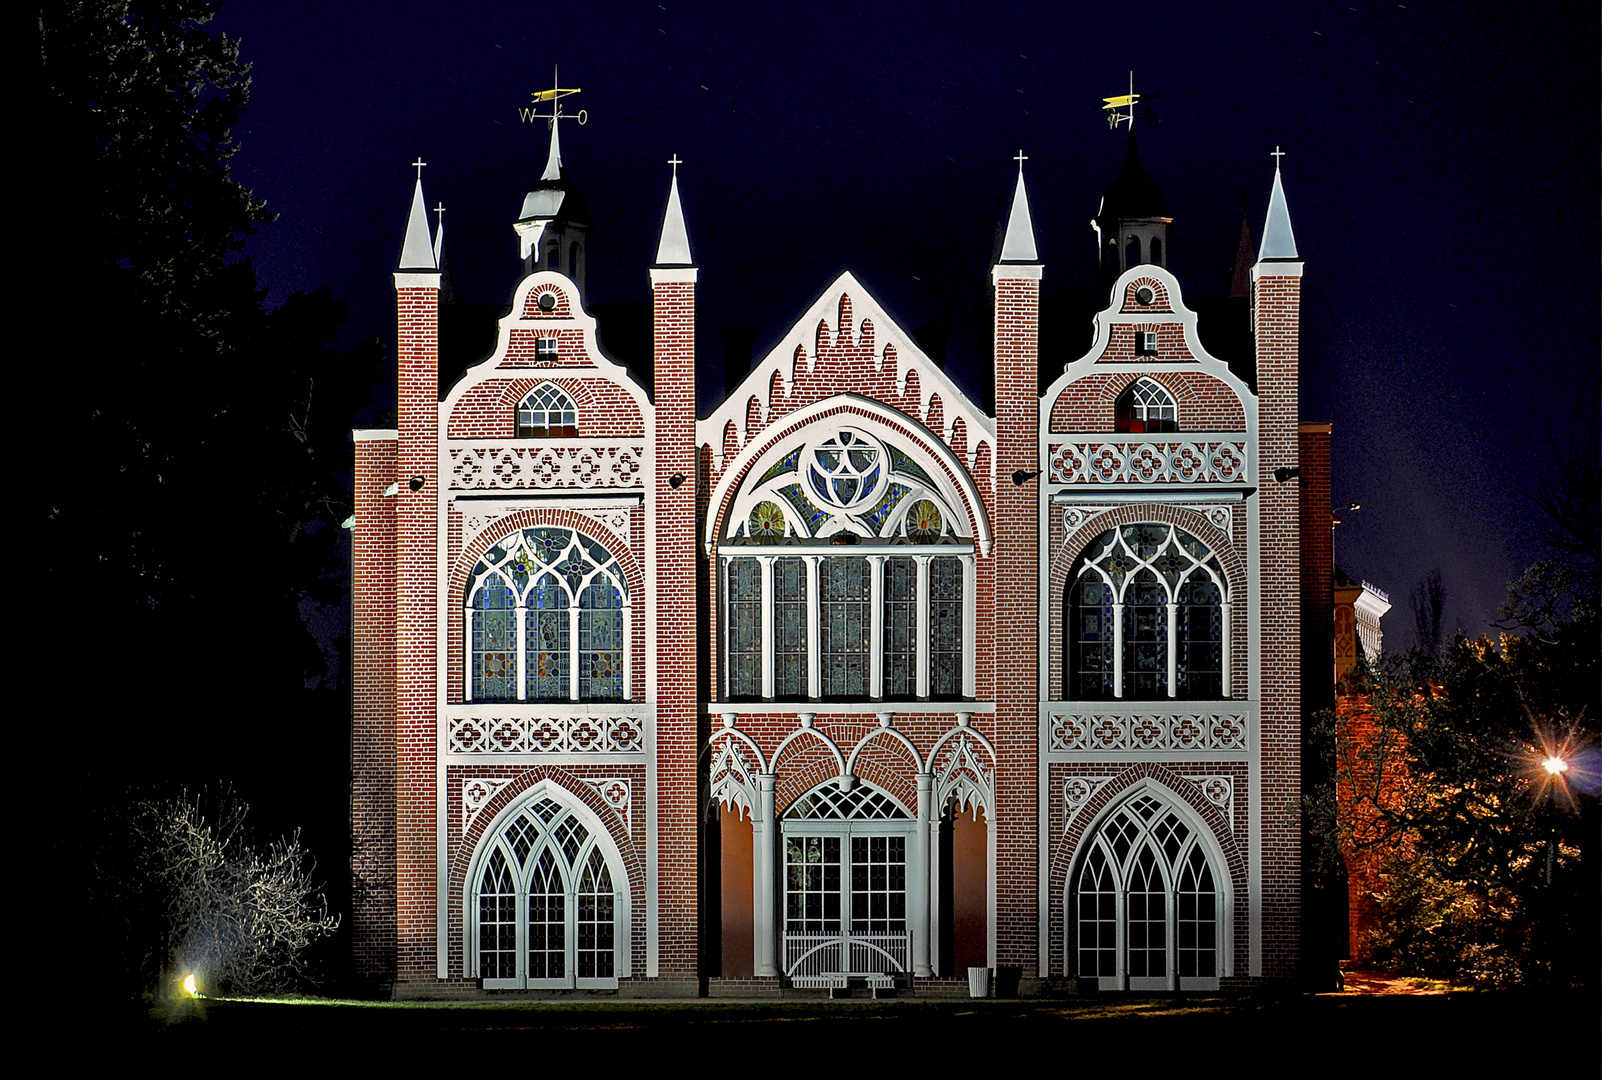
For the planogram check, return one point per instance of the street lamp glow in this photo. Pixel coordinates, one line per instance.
(1555, 766)
(189, 986)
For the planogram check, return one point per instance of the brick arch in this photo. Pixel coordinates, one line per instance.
(466, 848)
(556, 519)
(1206, 403)
(803, 765)
(1220, 544)
(1065, 850)
(884, 765)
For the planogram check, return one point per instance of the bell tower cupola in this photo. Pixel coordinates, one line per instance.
(554, 226)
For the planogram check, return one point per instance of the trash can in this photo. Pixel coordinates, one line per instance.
(978, 982)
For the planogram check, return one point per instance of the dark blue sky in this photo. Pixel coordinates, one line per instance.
(1441, 173)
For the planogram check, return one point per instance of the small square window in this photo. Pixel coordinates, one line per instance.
(546, 348)
(1145, 343)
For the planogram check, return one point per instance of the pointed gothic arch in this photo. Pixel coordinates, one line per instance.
(546, 897)
(1149, 900)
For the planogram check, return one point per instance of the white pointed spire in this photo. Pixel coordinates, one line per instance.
(1018, 246)
(417, 250)
(553, 164)
(1279, 241)
(674, 248)
(439, 235)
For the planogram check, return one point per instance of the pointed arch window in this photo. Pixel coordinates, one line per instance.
(1148, 910)
(1147, 617)
(1146, 406)
(547, 613)
(844, 575)
(546, 904)
(548, 410)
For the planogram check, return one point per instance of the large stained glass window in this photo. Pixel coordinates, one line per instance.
(547, 904)
(1147, 914)
(847, 574)
(548, 615)
(1146, 617)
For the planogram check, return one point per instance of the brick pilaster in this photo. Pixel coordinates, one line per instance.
(673, 614)
(417, 458)
(1276, 317)
(1017, 572)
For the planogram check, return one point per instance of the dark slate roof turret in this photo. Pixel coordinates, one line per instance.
(1132, 194)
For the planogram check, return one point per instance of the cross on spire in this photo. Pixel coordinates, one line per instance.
(440, 209)
(675, 161)
(419, 163)
(1020, 159)
(1276, 155)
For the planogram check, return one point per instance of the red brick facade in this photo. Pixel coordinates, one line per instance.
(850, 506)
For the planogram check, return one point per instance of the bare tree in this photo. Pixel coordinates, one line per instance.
(1428, 601)
(243, 918)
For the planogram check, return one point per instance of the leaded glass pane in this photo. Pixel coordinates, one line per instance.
(547, 921)
(595, 922)
(546, 650)
(1098, 917)
(900, 627)
(497, 921)
(845, 627)
(547, 410)
(743, 628)
(1197, 918)
(945, 627)
(1145, 637)
(494, 659)
(1090, 646)
(1146, 918)
(1199, 640)
(601, 643)
(790, 671)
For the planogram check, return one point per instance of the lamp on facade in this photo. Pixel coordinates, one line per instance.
(1023, 476)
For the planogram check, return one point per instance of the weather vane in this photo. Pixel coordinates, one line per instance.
(554, 95)
(1115, 107)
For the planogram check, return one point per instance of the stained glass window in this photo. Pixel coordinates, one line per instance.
(900, 628)
(743, 628)
(567, 595)
(601, 643)
(887, 624)
(945, 627)
(1145, 617)
(547, 659)
(494, 656)
(844, 626)
(791, 674)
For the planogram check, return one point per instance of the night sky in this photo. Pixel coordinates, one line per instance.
(1441, 171)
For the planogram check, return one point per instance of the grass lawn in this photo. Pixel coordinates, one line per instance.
(1324, 1034)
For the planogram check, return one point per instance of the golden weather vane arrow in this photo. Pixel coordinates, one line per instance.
(554, 95)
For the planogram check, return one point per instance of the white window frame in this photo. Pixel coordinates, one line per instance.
(904, 826)
(876, 556)
(520, 621)
(598, 838)
(1200, 836)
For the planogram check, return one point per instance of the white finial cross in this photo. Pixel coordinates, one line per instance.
(1276, 155)
(1020, 159)
(419, 163)
(675, 161)
(440, 210)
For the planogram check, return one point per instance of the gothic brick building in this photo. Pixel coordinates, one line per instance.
(850, 682)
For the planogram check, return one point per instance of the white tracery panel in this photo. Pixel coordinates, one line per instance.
(579, 465)
(472, 733)
(1149, 462)
(1220, 729)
